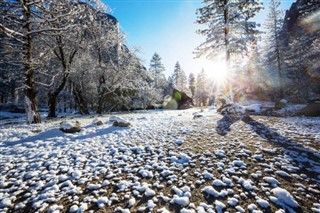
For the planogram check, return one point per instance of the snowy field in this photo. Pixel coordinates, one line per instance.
(167, 161)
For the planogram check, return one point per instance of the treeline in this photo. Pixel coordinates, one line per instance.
(70, 54)
(200, 88)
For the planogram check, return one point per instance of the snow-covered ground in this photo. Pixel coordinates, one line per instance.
(166, 161)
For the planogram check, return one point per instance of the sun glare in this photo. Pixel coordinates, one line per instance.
(216, 71)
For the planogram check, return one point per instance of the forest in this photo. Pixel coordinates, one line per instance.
(71, 55)
(87, 126)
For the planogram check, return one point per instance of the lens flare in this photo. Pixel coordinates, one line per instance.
(311, 22)
(217, 71)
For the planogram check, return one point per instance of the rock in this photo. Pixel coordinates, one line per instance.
(99, 123)
(280, 104)
(178, 100)
(225, 102)
(121, 123)
(69, 128)
(312, 109)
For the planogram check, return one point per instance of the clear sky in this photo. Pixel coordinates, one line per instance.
(166, 27)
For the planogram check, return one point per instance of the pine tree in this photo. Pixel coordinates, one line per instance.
(274, 48)
(215, 15)
(229, 29)
(192, 84)
(157, 69)
(202, 93)
(179, 77)
(183, 80)
(176, 74)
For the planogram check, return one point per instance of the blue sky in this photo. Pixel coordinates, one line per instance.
(166, 27)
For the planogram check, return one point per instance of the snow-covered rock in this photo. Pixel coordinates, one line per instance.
(68, 127)
(272, 181)
(119, 121)
(182, 201)
(263, 203)
(285, 197)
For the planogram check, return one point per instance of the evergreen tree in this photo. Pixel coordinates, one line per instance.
(183, 80)
(215, 15)
(157, 69)
(192, 84)
(179, 77)
(274, 48)
(229, 28)
(202, 93)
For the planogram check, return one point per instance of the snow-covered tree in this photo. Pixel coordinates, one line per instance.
(19, 24)
(63, 47)
(157, 69)
(179, 77)
(192, 84)
(228, 27)
(274, 47)
(202, 92)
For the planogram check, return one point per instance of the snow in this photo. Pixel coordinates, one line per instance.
(238, 163)
(6, 202)
(131, 202)
(207, 175)
(217, 182)
(73, 208)
(211, 191)
(219, 153)
(272, 181)
(66, 125)
(256, 108)
(233, 202)
(163, 160)
(149, 192)
(182, 201)
(219, 206)
(263, 203)
(117, 118)
(102, 201)
(283, 174)
(284, 197)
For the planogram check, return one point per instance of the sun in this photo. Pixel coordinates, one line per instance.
(217, 71)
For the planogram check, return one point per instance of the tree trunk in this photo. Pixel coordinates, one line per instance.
(52, 102)
(31, 105)
(80, 100)
(226, 43)
(100, 105)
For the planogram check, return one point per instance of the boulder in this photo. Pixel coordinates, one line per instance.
(312, 109)
(119, 121)
(178, 100)
(99, 123)
(121, 124)
(225, 102)
(67, 127)
(280, 104)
